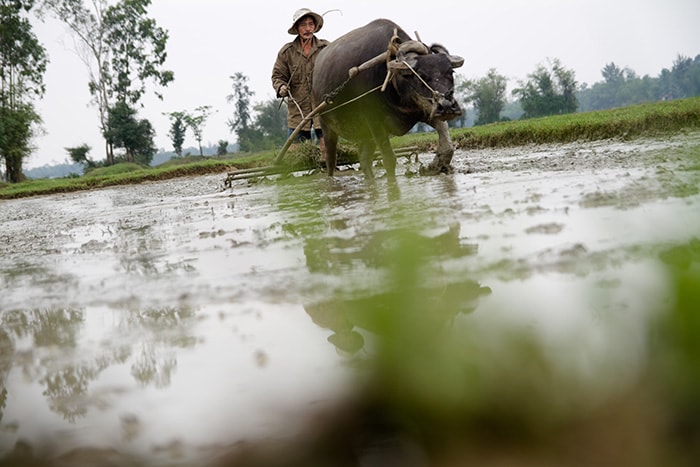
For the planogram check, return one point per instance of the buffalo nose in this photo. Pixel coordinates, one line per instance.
(449, 106)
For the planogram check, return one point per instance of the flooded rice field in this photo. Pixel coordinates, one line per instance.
(171, 321)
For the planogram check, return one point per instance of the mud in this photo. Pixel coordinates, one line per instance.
(169, 320)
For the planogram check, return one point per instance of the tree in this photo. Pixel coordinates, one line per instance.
(622, 87)
(121, 48)
(271, 123)
(22, 65)
(87, 25)
(241, 114)
(548, 91)
(488, 96)
(196, 123)
(135, 136)
(15, 136)
(612, 74)
(222, 148)
(267, 129)
(79, 154)
(178, 129)
(137, 48)
(684, 77)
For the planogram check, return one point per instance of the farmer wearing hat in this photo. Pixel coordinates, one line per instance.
(291, 75)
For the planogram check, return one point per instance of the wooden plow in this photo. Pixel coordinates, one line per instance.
(256, 172)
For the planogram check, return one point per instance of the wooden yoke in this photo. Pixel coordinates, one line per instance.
(391, 50)
(368, 64)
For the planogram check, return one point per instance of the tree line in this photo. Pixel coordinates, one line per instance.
(23, 62)
(552, 89)
(124, 50)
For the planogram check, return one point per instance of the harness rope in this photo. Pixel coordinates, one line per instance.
(350, 101)
(291, 98)
(435, 93)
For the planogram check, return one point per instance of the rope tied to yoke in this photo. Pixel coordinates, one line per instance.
(392, 51)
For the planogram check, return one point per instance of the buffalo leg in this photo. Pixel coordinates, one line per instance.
(330, 150)
(443, 157)
(381, 138)
(366, 156)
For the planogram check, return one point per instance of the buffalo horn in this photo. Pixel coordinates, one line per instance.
(413, 46)
(407, 53)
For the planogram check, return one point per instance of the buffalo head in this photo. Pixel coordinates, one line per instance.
(423, 77)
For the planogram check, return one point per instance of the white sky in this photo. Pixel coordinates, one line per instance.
(210, 40)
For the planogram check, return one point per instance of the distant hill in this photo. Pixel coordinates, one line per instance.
(66, 169)
(54, 171)
(161, 158)
(164, 156)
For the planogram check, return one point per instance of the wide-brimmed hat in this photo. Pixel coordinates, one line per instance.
(299, 14)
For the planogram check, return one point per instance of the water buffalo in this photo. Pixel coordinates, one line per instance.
(368, 105)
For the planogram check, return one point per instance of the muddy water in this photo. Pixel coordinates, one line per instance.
(169, 319)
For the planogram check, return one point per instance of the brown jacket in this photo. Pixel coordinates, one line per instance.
(294, 69)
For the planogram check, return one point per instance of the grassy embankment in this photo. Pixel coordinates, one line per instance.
(651, 119)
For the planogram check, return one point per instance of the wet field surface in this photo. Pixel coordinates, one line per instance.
(168, 321)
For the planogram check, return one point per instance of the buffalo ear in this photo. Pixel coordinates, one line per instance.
(455, 60)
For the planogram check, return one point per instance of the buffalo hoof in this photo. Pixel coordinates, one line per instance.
(436, 169)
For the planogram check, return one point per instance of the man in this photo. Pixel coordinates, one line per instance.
(291, 75)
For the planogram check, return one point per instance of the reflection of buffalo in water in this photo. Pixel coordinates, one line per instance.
(371, 311)
(346, 317)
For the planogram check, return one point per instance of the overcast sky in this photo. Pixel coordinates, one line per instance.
(210, 40)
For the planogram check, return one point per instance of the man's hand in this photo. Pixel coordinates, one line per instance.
(283, 91)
